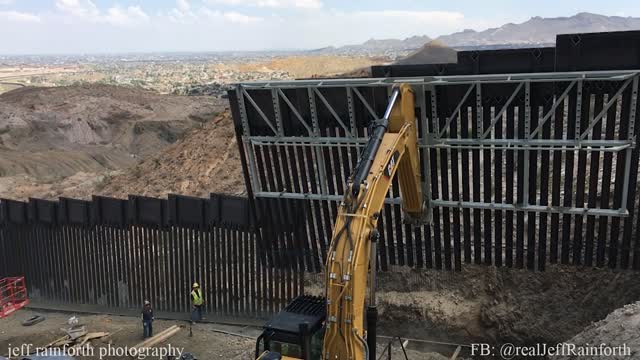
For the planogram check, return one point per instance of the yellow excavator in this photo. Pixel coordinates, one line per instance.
(311, 328)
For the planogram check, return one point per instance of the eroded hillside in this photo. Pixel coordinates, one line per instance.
(55, 138)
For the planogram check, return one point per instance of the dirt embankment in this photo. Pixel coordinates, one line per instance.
(619, 331)
(207, 160)
(498, 305)
(62, 141)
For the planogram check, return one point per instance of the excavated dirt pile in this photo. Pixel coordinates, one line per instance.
(205, 161)
(485, 304)
(618, 329)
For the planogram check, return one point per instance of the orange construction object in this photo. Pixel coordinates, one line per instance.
(13, 295)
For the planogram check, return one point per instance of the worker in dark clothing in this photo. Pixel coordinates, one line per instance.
(197, 300)
(147, 319)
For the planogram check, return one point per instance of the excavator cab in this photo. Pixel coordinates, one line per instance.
(296, 332)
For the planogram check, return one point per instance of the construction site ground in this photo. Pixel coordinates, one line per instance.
(210, 340)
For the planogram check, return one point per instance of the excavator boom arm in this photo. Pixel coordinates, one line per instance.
(392, 149)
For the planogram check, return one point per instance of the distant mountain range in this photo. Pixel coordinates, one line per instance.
(380, 46)
(539, 31)
(536, 31)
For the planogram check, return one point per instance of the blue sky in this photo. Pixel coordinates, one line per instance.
(98, 26)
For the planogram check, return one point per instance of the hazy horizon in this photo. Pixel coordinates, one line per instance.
(107, 27)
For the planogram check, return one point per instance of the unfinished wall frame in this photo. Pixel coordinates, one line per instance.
(492, 126)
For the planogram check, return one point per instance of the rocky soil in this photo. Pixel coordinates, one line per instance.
(485, 304)
(67, 140)
(207, 160)
(620, 328)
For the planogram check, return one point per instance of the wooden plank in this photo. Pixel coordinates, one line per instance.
(456, 353)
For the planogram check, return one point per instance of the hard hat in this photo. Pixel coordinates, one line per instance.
(195, 285)
(146, 302)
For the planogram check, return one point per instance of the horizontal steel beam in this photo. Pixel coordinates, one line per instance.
(612, 75)
(501, 144)
(465, 205)
(532, 208)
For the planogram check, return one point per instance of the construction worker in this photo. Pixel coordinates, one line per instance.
(147, 320)
(197, 300)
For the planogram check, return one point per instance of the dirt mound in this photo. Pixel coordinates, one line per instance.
(618, 329)
(433, 52)
(313, 65)
(60, 131)
(206, 160)
(485, 304)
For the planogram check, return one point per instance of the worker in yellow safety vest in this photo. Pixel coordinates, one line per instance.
(197, 300)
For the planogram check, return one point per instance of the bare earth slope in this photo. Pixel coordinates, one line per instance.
(71, 134)
(433, 52)
(618, 329)
(205, 161)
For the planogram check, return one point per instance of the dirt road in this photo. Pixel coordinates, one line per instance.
(206, 344)
(126, 331)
